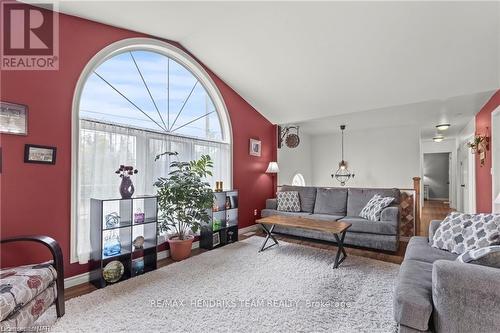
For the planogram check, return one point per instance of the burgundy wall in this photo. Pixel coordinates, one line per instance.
(35, 199)
(483, 174)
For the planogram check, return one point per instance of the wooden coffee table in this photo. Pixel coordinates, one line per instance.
(338, 229)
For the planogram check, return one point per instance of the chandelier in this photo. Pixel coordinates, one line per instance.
(343, 174)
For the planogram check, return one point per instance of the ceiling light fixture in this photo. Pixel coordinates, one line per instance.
(443, 127)
(343, 174)
(438, 138)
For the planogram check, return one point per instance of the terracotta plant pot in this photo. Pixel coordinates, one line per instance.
(180, 249)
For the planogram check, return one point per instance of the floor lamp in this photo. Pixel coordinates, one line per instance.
(273, 169)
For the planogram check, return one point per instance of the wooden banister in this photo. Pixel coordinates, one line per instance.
(416, 187)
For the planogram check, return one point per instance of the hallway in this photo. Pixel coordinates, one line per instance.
(433, 210)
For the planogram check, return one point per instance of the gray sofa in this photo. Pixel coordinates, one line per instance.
(344, 204)
(436, 293)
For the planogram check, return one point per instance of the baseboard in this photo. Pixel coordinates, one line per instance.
(75, 280)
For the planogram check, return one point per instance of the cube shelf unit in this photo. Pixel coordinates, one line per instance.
(227, 232)
(128, 228)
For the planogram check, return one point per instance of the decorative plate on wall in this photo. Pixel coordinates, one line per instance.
(113, 271)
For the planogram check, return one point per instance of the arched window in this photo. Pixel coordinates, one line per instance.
(298, 180)
(135, 99)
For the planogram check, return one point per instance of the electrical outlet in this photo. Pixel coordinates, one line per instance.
(255, 212)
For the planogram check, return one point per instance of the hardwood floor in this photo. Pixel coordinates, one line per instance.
(432, 210)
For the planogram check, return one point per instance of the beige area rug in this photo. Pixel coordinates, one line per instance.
(287, 288)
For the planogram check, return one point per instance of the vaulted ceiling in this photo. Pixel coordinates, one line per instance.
(298, 61)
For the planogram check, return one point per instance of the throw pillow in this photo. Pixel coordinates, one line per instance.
(375, 206)
(461, 232)
(486, 256)
(288, 201)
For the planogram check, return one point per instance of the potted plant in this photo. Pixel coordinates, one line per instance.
(184, 200)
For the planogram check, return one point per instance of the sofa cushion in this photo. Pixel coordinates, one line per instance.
(359, 224)
(419, 249)
(288, 201)
(357, 198)
(325, 217)
(332, 201)
(413, 295)
(307, 196)
(460, 232)
(486, 256)
(19, 285)
(271, 212)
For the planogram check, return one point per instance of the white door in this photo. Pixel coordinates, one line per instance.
(464, 186)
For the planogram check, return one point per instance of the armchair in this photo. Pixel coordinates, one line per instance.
(28, 291)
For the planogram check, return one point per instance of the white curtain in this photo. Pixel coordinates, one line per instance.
(104, 147)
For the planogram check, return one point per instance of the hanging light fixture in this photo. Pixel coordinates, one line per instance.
(343, 174)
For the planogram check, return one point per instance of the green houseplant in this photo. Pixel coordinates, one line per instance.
(184, 200)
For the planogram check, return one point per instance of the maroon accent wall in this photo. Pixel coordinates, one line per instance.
(35, 199)
(483, 173)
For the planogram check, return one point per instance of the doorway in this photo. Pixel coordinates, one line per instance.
(437, 176)
(466, 175)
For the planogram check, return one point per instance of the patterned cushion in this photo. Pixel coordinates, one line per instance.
(375, 206)
(486, 256)
(20, 285)
(288, 201)
(460, 232)
(29, 313)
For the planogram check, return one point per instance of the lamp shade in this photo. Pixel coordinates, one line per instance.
(273, 167)
(497, 200)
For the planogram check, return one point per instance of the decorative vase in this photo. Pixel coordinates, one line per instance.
(126, 188)
(112, 246)
(180, 249)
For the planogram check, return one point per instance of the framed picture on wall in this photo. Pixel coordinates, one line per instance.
(13, 118)
(39, 154)
(255, 147)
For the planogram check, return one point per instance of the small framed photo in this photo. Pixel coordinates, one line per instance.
(216, 239)
(255, 147)
(13, 118)
(39, 154)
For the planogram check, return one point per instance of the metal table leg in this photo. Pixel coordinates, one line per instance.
(340, 245)
(269, 233)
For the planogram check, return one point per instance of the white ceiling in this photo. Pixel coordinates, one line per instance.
(297, 61)
(457, 111)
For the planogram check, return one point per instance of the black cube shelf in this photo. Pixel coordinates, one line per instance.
(126, 220)
(223, 226)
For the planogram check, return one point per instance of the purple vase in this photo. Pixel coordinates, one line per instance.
(126, 188)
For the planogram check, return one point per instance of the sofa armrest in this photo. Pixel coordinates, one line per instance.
(466, 297)
(432, 228)
(271, 203)
(58, 264)
(390, 214)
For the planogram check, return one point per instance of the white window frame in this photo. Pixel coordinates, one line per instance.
(301, 177)
(135, 44)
